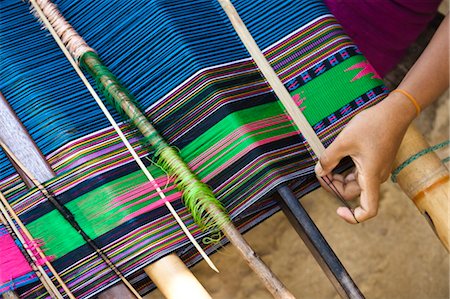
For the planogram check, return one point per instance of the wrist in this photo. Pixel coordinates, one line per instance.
(407, 96)
(398, 106)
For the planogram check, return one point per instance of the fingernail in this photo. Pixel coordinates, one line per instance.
(318, 169)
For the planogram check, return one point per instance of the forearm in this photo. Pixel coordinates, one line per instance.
(429, 76)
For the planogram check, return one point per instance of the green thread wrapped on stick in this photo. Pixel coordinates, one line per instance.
(207, 211)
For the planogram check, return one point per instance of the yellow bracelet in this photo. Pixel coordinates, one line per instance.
(409, 97)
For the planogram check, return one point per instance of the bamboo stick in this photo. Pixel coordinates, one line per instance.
(272, 78)
(175, 280)
(426, 182)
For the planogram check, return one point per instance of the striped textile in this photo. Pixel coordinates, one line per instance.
(188, 70)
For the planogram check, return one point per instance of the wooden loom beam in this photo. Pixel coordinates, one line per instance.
(426, 181)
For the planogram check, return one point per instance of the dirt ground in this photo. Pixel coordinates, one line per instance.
(394, 256)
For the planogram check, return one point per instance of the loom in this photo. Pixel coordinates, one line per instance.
(195, 81)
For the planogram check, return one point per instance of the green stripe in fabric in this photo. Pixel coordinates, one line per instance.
(246, 137)
(333, 89)
(57, 234)
(93, 211)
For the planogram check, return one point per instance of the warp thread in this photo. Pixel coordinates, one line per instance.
(197, 196)
(33, 245)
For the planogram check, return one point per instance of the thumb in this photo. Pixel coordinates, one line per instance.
(370, 193)
(331, 157)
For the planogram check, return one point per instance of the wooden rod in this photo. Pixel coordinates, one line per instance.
(10, 295)
(426, 182)
(175, 280)
(272, 78)
(271, 282)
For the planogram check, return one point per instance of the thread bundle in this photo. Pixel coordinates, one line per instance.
(15, 269)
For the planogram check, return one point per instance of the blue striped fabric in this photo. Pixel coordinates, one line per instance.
(129, 38)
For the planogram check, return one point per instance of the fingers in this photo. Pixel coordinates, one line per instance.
(331, 157)
(352, 188)
(325, 182)
(370, 191)
(343, 186)
(346, 214)
(349, 190)
(352, 176)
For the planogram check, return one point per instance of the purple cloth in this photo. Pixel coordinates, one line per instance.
(383, 29)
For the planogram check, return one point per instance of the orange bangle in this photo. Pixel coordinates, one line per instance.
(411, 98)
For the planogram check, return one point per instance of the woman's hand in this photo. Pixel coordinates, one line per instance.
(371, 139)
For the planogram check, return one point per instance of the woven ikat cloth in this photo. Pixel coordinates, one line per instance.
(187, 68)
